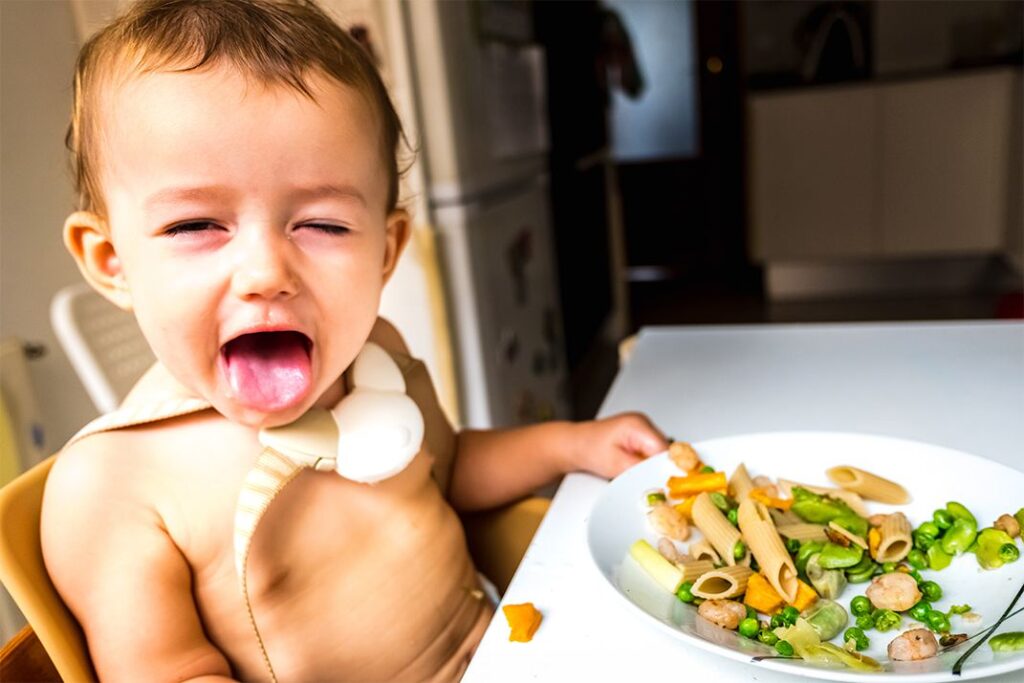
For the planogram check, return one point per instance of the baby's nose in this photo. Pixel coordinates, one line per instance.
(263, 271)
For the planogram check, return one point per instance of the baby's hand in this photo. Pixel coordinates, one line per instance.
(608, 447)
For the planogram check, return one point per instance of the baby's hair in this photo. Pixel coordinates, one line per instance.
(274, 42)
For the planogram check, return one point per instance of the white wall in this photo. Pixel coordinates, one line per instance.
(38, 45)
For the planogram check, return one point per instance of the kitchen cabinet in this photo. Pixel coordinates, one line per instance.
(890, 169)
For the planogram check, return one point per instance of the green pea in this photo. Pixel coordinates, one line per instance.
(942, 518)
(835, 556)
(930, 590)
(888, 567)
(767, 636)
(920, 611)
(1008, 552)
(720, 501)
(707, 469)
(960, 512)
(938, 559)
(922, 541)
(1011, 641)
(860, 640)
(749, 628)
(777, 621)
(886, 620)
(960, 536)
(684, 593)
(784, 648)
(790, 614)
(860, 606)
(733, 516)
(655, 497)
(865, 622)
(792, 545)
(938, 622)
(739, 550)
(917, 559)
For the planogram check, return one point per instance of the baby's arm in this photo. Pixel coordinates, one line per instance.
(498, 466)
(121, 574)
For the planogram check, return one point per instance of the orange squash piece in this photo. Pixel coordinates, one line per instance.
(523, 619)
(761, 596)
(805, 596)
(761, 496)
(681, 487)
(686, 508)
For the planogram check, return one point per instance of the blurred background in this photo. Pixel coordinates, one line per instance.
(586, 168)
(583, 169)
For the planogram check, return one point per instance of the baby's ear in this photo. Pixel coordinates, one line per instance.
(398, 231)
(87, 237)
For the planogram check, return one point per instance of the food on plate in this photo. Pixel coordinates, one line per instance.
(768, 549)
(1009, 524)
(913, 645)
(1011, 641)
(523, 619)
(725, 613)
(895, 591)
(668, 521)
(683, 456)
(740, 483)
(722, 535)
(868, 485)
(727, 582)
(894, 541)
(773, 560)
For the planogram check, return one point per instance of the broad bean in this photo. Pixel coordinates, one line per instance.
(1011, 641)
(960, 512)
(960, 536)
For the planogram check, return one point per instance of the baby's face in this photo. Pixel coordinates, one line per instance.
(252, 232)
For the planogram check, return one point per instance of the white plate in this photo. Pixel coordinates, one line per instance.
(931, 474)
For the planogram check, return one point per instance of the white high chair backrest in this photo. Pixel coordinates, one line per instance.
(103, 343)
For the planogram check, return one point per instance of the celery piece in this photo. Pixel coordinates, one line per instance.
(664, 573)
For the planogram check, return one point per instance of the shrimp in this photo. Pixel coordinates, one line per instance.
(668, 550)
(668, 521)
(725, 613)
(918, 643)
(1008, 524)
(895, 591)
(683, 455)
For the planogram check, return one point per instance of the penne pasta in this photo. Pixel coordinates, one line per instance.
(767, 547)
(785, 517)
(716, 528)
(802, 531)
(853, 538)
(851, 498)
(693, 569)
(740, 484)
(727, 582)
(894, 538)
(702, 550)
(869, 485)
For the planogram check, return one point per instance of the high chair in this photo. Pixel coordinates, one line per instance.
(53, 643)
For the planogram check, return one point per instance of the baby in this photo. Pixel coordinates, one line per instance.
(236, 162)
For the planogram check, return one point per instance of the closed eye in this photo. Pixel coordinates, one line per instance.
(191, 227)
(327, 228)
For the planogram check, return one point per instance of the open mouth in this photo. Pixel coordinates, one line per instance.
(268, 371)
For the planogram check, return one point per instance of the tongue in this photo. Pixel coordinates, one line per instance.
(268, 371)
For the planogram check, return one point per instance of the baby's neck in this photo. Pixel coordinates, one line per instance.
(333, 395)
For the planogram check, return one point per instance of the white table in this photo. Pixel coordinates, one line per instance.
(959, 385)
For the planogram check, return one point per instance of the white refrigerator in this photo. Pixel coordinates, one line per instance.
(478, 85)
